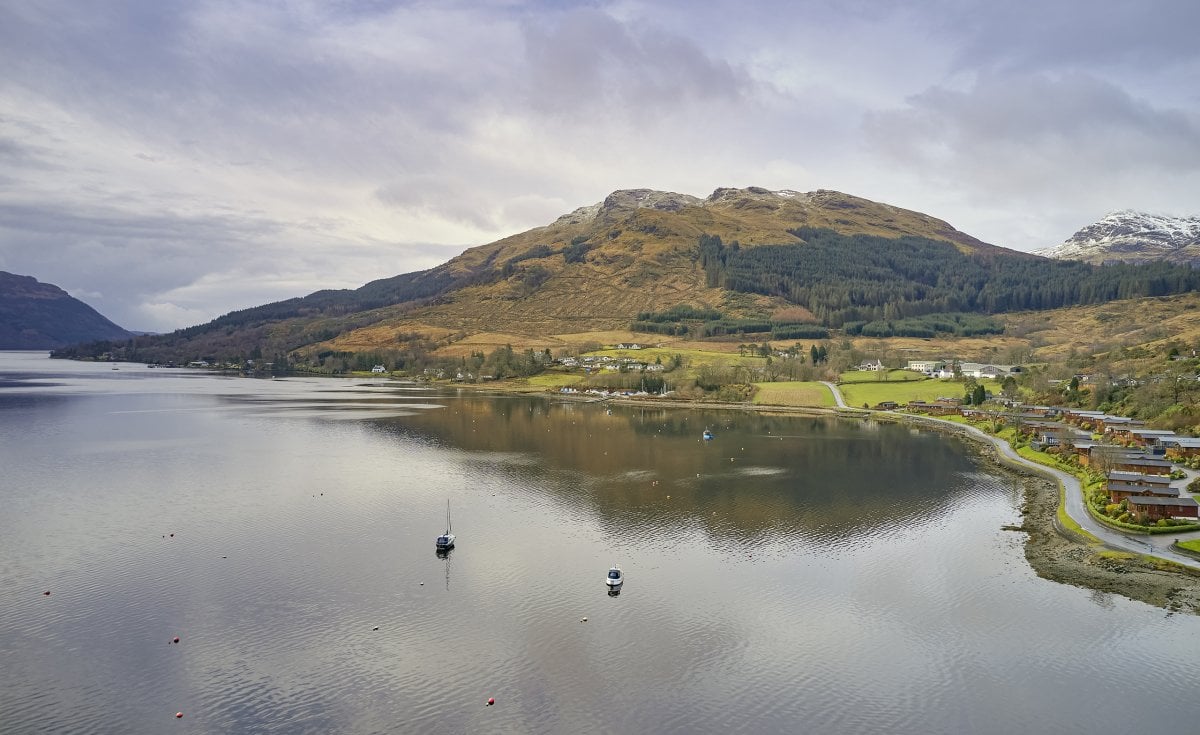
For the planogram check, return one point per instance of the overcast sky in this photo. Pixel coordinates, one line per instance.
(167, 162)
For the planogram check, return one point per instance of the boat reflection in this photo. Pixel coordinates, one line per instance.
(614, 592)
(445, 554)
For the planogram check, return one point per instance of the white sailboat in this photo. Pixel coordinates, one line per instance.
(445, 542)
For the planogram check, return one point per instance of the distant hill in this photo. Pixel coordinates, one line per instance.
(41, 316)
(1133, 237)
(740, 261)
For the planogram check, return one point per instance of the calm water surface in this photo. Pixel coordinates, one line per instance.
(793, 575)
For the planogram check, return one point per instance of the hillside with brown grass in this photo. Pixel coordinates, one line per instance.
(583, 279)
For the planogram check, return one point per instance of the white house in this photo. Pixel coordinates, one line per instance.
(926, 366)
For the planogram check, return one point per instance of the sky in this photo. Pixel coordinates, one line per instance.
(170, 161)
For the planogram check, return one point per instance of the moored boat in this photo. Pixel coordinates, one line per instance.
(615, 577)
(445, 542)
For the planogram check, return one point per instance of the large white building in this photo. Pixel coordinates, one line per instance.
(926, 366)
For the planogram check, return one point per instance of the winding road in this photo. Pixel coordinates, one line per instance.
(1157, 546)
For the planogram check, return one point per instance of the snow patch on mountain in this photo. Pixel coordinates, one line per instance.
(1129, 236)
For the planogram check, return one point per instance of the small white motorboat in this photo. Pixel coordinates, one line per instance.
(707, 435)
(615, 578)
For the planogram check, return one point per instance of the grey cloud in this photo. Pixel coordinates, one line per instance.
(1023, 129)
(440, 195)
(15, 154)
(585, 61)
(138, 267)
(193, 157)
(1142, 37)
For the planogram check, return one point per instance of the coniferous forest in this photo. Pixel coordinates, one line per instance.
(856, 280)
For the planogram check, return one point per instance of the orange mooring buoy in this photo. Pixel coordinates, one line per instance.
(178, 715)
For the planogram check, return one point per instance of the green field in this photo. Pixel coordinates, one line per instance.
(856, 394)
(553, 379)
(793, 393)
(692, 358)
(872, 376)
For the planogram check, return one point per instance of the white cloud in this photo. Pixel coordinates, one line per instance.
(183, 160)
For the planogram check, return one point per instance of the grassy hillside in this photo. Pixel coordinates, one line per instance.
(583, 280)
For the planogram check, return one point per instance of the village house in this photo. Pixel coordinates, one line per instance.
(1052, 433)
(1096, 421)
(874, 365)
(1134, 478)
(1112, 457)
(1149, 438)
(1118, 424)
(1181, 447)
(940, 407)
(1150, 509)
(1121, 485)
(928, 367)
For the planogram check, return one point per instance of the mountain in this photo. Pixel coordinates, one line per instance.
(1133, 237)
(41, 316)
(740, 261)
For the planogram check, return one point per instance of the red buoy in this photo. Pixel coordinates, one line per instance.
(178, 715)
(46, 592)
(491, 701)
(175, 639)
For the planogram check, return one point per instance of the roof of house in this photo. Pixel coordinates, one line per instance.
(1142, 461)
(1136, 477)
(1155, 500)
(1155, 490)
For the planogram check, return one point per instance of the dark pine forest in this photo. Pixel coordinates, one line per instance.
(853, 279)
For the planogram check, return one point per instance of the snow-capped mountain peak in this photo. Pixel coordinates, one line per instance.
(1130, 236)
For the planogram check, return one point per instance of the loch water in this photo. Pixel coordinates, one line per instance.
(791, 575)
